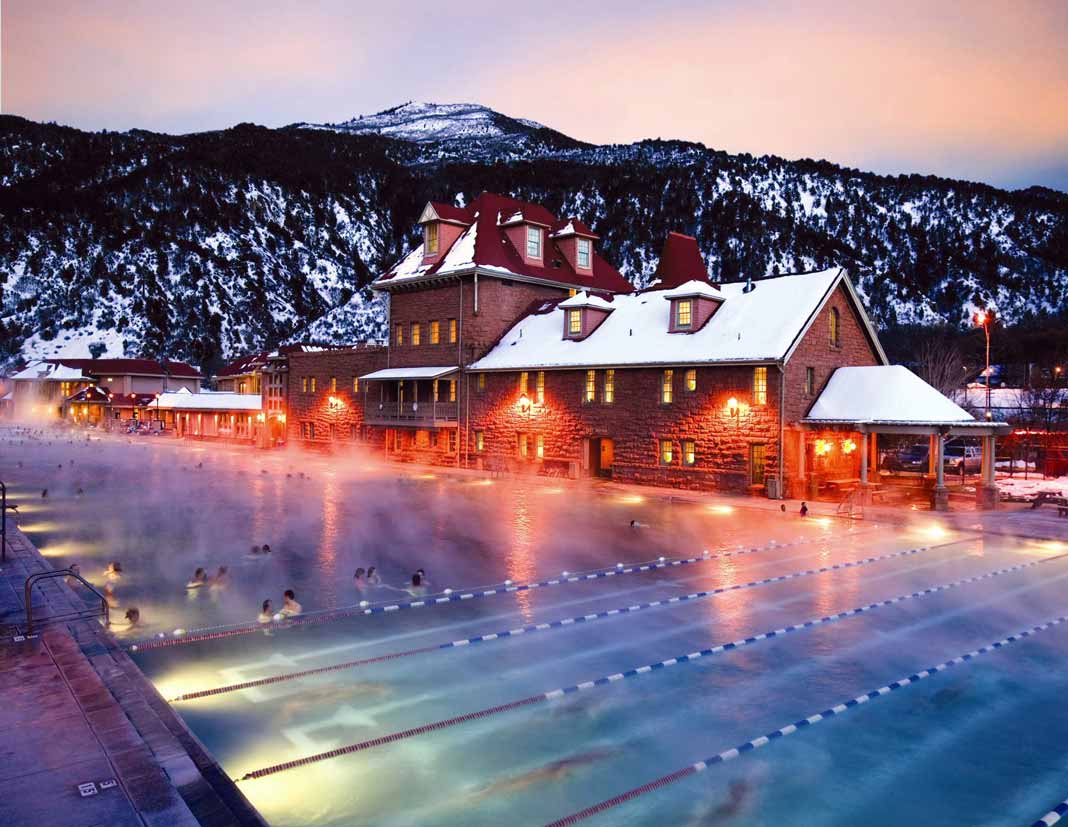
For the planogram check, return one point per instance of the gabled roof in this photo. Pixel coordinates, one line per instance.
(127, 367)
(586, 300)
(246, 364)
(887, 394)
(210, 401)
(763, 325)
(697, 288)
(484, 246)
(52, 371)
(572, 226)
(680, 262)
(438, 211)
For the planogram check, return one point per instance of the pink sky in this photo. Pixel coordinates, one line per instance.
(969, 89)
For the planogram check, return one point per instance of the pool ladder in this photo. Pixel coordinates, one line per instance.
(852, 505)
(85, 614)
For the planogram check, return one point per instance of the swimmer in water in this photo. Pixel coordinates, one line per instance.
(416, 589)
(554, 771)
(200, 578)
(109, 596)
(804, 509)
(133, 617)
(266, 612)
(113, 570)
(359, 580)
(79, 492)
(290, 606)
(221, 579)
(44, 493)
(266, 549)
(255, 551)
(423, 577)
(636, 524)
(373, 577)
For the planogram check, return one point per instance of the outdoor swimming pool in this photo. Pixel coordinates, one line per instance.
(445, 730)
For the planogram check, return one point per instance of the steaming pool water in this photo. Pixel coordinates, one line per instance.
(982, 742)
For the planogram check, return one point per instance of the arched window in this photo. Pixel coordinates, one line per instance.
(836, 328)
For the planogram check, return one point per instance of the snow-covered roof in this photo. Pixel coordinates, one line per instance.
(884, 394)
(1012, 398)
(694, 288)
(210, 401)
(51, 372)
(410, 373)
(586, 300)
(759, 326)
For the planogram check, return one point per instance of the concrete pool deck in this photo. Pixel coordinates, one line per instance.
(75, 710)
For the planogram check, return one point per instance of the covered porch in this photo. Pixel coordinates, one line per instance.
(417, 397)
(841, 435)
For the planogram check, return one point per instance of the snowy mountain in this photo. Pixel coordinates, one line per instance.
(205, 246)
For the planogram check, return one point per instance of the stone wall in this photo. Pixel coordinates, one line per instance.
(337, 421)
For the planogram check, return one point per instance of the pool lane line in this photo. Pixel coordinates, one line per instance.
(1053, 816)
(554, 624)
(325, 615)
(619, 676)
(804, 723)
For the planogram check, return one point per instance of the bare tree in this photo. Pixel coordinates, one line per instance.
(941, 365)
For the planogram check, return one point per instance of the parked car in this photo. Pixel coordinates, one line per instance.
(911, 458)
(957, 456)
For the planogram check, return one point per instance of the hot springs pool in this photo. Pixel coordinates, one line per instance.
(617, 680)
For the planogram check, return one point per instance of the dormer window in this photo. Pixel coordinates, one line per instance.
(430, 239)
(533, 242)
(684, 313)
(574, 322)
(583, 255)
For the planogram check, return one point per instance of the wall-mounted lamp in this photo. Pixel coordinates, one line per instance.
(823, 447)
(335, 402)
(524, 403)
(733, 408)
(848, 446)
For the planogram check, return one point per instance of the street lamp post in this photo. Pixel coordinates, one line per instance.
(982, 319)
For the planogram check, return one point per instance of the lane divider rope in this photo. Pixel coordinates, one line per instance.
(619, 676)
(804, 723)
(1053, 816)
(325, 615)
(540, 627)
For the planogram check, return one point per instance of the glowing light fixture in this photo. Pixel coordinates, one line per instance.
(733, 408)
(823, 447)
(523, 403)
(848, 446)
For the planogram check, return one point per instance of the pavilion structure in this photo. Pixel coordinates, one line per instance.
(859, 403)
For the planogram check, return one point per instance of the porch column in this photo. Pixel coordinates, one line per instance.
(986, 492)
(801, 455)
(873, 460)
(940, 495)
(864, 459)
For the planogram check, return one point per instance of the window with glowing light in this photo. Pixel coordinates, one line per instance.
(480, 442)
(523, 448)
(836, 328)
(810, 381)
(533, 242)
(452, 331)
(667, 387)
(452, 390)
(666, 452)
(523, 381)
(689, 452)
(683, 313)
(417, 331)
(574, 322)
(691, 379)
(399, 335)
(430, 238)
(583, 256)
(314, 381)
(539, 388)
(590, 392)
(333, 384)
(304, 384)
(481, 382)
(355, 384)
(757, 464)
(453, 440)
(435, 384)
(539, 446)
(609, 386)
(435, 332)
(760, 386)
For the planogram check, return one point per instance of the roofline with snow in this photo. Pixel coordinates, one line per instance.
(422, 281)
(858, 305)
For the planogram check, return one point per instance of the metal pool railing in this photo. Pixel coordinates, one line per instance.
(84, 614)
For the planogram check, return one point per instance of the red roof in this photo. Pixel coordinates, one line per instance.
(680, 262)
(577, 228)
(494, 249)
(448, 212)
(124, 367)
(246, 364)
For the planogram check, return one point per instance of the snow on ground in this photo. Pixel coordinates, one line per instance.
(1020, 489)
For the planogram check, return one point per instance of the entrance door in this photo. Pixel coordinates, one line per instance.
(602, 455)
(757, 464)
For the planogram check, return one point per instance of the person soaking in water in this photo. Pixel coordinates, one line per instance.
(200, 578)
(290, 606)
(373, 577)
(418, 587)
(804, 509)
(359, 580)
(114, 569)
(266, 612)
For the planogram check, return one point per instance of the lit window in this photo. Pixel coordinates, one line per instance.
(355, 384)
(430, 238)
(452, 331)
(416, 333)
(683, 313)
(591, 386)
(810, 381)
(539, 446)
(689, 452)
(399, 338)
(480, 442)
(333, 384)
(435, 332)
(523, 381)
(757, 464)
(572, 292)
(760, 386)
(665, 452)
(452, 390)
(313, 383)
(533, 242)
(481, 382)
(539, 388)
(609, 387)
(436, 381)
(836, 332)
(304, 384)
(523, 445)
(574, 322)
(584, 253)
(667, 387)
(691, 379)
